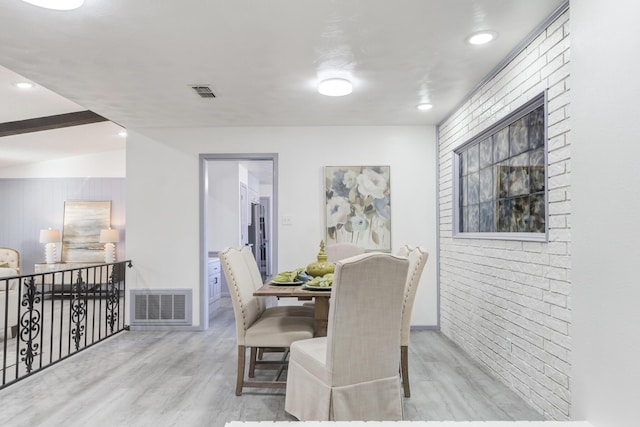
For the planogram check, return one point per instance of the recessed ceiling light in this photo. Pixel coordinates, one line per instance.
(481, 37)
(335, 87)
(56, 4)
(23, 85)
(424, 107)
(122, 133)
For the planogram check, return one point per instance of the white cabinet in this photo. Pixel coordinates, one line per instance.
(214, 282)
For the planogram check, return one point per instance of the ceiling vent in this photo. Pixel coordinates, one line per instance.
(203, 91)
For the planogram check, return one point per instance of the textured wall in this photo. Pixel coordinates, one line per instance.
(31, 204)
(508, 302)
(605, 196)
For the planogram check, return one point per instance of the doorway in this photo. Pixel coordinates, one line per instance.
(238, 206)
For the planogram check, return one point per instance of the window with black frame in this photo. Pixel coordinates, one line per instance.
(501, 177)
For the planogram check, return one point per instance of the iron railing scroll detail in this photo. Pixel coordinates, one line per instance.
(30, 323)
(113, 296)
(58, 313)
(78, 309)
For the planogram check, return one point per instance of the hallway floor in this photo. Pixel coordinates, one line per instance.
(163, 378)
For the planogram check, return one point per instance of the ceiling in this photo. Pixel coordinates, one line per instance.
(134, 62)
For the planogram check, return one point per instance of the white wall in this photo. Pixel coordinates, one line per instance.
(33, 197)
(223, 205)
(163, 194)
(506, 302)
(108, 164)
(605, 199)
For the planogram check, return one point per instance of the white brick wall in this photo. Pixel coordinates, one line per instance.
(508, 302)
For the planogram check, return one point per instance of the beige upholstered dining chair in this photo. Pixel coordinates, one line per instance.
(273, 310)
(417, 260)
(352, 373)
(256, 280)
(254, 327)
(339, 251)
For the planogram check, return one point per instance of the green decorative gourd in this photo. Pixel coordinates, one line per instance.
(322, 266)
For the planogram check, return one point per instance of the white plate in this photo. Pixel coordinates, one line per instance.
(297, 282)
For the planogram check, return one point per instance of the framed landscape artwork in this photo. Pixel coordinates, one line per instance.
(358, 206)
(83, 221)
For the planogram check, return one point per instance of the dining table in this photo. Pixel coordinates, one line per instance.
(320, 297)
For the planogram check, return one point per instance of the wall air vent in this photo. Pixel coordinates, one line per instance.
(161, 307)
(203, 91)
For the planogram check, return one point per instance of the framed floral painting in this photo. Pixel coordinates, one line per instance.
(358, 206)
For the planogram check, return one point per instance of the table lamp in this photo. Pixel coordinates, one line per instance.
(109, 237)
(50, 238)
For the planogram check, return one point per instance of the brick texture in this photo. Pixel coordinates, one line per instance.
(508, 303)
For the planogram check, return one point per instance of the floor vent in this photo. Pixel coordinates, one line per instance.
(162, 307)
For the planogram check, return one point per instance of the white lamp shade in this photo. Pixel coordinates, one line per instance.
(49, 236)
(109, 236)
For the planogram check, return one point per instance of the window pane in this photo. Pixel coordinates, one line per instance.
(463, 191)
(501, 145)
(473, 181)
(520, 160)
(518, 139)
(536, 176)
(536, 128)
(486, 153)
(537, 158)
(473, 161)
(520, 215)
(502, 173)
(487, 217)
(537, 213)
(486, 185)
(504, 215)
(474, 219)
(518, 180)
(502, 178)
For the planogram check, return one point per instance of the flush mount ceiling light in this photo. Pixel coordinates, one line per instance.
(424, 107)
(23, 85)
(56, 4)
(335, 87)
(481, 37)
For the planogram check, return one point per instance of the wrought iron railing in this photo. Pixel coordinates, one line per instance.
(51, 316)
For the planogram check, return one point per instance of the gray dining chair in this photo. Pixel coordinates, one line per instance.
(352, 373)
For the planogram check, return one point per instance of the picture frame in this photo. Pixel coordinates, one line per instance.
(82, 223)
(358, 206)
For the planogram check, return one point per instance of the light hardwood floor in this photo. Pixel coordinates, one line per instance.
(162, 378)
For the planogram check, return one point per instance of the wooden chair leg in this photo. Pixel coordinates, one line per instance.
(404, 366)
(241, 361)
(252, 362)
